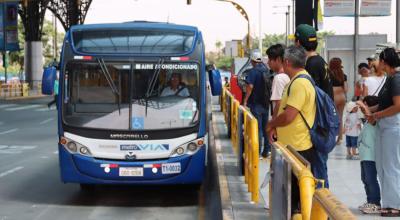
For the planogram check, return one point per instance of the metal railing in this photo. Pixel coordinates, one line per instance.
(243, 132)
(316, 204)
(14, 90)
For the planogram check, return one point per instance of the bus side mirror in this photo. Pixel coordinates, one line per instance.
(49, 76)
(215, 82)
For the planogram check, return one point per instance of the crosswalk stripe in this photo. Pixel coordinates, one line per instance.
(25, 107)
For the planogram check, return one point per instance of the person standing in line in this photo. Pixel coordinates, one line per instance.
(387, 153)
(364, 72)
(275, 62)
(340, 87)
(257, 102)
(369, 176)
(289, 127)
(306, 37)
(352, 128)
(372, 85)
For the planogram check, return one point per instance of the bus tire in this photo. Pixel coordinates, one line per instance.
(87, 188)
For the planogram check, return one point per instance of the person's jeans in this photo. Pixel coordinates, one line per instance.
(369, 177)
(320, 168)
(261, 114)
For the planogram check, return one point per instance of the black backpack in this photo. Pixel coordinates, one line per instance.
(267, 77)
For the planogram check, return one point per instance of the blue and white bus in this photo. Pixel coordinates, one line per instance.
(132, 104)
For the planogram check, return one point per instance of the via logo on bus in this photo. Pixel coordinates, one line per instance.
(144, 147)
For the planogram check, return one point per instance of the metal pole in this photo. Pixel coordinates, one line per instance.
(293, 17)
(287, 28)
(398, 23)
(356, 32)
(288, 21)
(259, 23)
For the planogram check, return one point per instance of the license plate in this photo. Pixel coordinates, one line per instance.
(170, 168)
(131, 171)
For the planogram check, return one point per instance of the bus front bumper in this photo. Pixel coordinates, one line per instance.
(186, 169)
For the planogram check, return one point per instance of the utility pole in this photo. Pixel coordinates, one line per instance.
(293, 16)
(356, 33)
(260, 26)
(398, 23)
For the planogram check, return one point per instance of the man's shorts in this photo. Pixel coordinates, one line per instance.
(351, 141)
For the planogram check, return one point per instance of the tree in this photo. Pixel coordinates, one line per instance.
(48, 41)
(218, 45)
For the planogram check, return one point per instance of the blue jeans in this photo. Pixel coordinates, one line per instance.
(369, 177)
(320, 168)
(261, 114)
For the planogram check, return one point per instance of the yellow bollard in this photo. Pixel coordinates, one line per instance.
(25, 89)
(255, 160)
(307, 188)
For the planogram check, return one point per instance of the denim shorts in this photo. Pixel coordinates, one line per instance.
(351, 141)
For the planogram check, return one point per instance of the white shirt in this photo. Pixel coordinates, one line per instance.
(168, 91)
(352, 125)
(278, 85)
(374, 84)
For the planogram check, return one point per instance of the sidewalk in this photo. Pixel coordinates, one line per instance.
(235, 198)
(344, 177)
(345, 182)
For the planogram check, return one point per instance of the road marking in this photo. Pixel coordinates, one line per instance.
(10, 171)
(55, 152)
(45, 109)
(25, 107)
(47, 120)
(14, 149)
(9, 131)
(6, 106)
(44, 157)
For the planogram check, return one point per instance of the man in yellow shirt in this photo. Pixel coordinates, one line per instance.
(288, 127)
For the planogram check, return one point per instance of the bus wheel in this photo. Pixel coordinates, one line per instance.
(87, 188)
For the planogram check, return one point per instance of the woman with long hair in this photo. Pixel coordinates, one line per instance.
(387, 152)
(339, 83)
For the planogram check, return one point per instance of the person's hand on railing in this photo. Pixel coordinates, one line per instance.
(272, 135)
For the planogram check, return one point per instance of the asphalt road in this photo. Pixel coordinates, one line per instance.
(30, 186)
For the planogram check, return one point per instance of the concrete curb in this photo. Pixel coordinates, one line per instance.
(226, 204)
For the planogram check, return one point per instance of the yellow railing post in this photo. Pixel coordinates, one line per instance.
(254, 161)
(307, 188)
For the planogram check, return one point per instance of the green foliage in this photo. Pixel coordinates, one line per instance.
(16, 58)
(224, 62)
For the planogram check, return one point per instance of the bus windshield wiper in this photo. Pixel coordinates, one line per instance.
(111, 83)
(153, 82)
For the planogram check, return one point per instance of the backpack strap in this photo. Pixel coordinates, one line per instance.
(313, 83)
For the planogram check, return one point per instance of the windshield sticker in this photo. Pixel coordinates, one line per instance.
(151, 66)
(144, 147)
(137, 123)
(185, 114)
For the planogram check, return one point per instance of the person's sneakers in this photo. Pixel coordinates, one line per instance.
(355, 157)
(371, 209)
(363, 206)
(265, 154)
(349, 157)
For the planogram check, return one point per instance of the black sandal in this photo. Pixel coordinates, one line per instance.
(389, 212)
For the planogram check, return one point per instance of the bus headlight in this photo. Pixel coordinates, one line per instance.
(84, 150)
(188, 148)
(192, 147)
(179, 151)
(72, 146)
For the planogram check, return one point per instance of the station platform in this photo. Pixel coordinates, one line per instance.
(344, 177)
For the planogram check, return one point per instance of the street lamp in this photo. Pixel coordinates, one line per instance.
(244, 14)
(287, 13)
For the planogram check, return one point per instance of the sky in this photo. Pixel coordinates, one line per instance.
(220, 21)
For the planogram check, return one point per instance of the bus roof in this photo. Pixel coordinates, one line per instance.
(134, 25)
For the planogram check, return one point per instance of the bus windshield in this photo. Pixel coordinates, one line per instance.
(124, 95)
